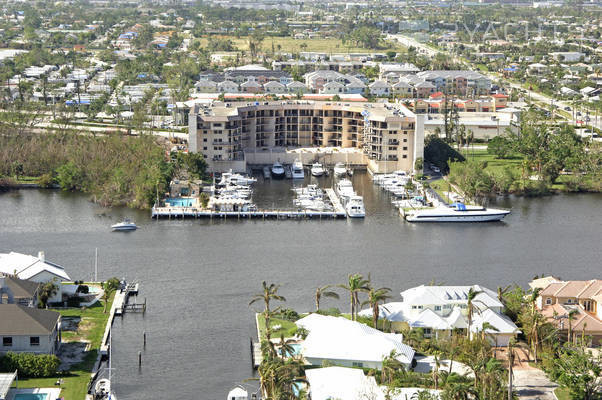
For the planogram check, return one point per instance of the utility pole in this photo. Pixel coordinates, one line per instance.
(96, 264)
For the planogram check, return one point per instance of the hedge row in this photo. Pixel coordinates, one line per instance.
(30, 365)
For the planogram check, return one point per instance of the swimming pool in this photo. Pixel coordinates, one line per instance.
(31, 396)
(295, 349)
(181, 202)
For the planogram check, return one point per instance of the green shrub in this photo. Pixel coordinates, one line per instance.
(30, 365)
(46, 180)
(288, 314)
(83, 289)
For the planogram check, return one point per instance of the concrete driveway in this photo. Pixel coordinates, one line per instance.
(533, 384)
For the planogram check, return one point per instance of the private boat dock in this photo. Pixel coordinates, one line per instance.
(120, 306)
(191, 212)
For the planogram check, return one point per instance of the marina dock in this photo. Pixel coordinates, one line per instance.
(191, 212)
(336, 202)
(120, 305)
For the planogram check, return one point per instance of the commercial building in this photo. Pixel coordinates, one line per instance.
(387, 136)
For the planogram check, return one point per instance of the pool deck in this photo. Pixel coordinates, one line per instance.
(52, 393)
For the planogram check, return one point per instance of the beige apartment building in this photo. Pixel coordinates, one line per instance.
(386, 137)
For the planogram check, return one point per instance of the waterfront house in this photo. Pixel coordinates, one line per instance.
(559, 298)
(29, 330)
(438, 310)
(19, 291)
(349, 343)
(34, 269)
(342, 383)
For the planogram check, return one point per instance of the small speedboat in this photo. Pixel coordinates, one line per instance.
(317, 169)
(277, 170)
(125, 225)
(339, 169)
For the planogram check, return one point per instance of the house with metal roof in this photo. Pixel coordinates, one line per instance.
(29, 330)
(35, 269)
(438, 310)
(350, 343)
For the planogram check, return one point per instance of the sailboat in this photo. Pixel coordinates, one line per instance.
(102, 388)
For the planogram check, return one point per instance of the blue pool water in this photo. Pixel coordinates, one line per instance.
(296, 349)
(180, 202)
(31, 396)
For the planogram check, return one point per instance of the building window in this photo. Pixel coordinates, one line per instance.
(548, 301)
(357, 364)
(34, 340)
(437, 308)
(204, 139)
(7, 341)
(204, 147)
(569, 301)
(404, 156)
(405, 148)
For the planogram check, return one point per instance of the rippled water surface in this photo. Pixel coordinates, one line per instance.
(198, 276)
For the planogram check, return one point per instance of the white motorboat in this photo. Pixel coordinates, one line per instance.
(297, 170)
(238, 393)
(355, 207)
(277, 170)
(456, 212)
(339, 169)
(350, 171)
(230, 178)
(125, 225)
(317, 169)
(344, 189)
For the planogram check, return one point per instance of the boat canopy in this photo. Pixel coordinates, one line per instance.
(459, 206)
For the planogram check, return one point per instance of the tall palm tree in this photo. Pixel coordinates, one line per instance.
(324, 292)
(570, 317)
(269, 293)
(501, 291)
(375, 297)
(472, 294)
(356, 284)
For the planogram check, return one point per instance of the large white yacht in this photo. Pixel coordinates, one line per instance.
(344, 189)
(297, 170)
(339, 169)
(355, 207)
(317, 169)
(456, 212)
(277, 170)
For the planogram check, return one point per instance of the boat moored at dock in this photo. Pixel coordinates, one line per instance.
(297, 170)
(277, 170)
(456, 212)
(317, 169)
(339, 169)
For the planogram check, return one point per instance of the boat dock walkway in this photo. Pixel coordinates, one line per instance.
(120, 305)
(336, 202)
(191, 212)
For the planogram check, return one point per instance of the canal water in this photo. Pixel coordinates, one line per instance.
(198, 276)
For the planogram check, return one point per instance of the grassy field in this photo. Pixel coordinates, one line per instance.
(289, 44)
(493, 164)
(91, 328)
(287, 328)
(562, 393)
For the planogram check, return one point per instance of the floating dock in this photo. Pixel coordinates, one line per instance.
(191, 212)
(336, 202)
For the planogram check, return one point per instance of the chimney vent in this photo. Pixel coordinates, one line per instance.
(41, 256)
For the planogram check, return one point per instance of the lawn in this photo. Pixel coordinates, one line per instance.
(289, 44)
(440, 186)
(91, 328)
(493, 164)
(287, 328)
(562, 393)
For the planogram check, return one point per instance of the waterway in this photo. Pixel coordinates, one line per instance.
(198, 276)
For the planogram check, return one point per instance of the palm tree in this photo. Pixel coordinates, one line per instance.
(46, 291)
(472, 294)
(356, 284)
(324, 292)
(270, 292)
(501, 291)
(375, 297)
(390, 366)
(570, 316)
(286, 348)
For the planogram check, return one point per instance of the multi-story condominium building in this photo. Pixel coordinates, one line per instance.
(388, 136)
